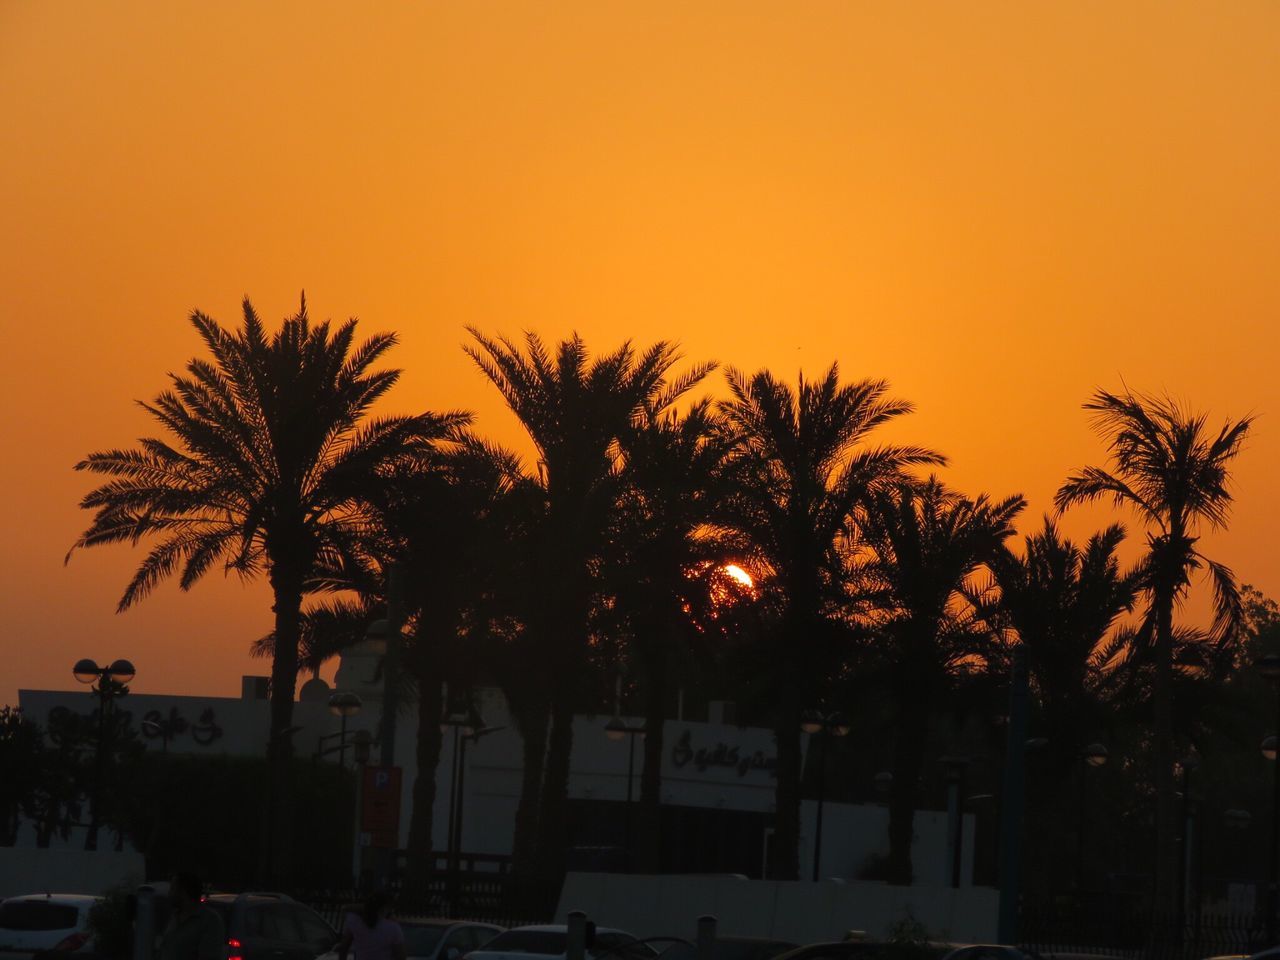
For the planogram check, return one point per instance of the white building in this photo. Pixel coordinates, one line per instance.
(717, 778)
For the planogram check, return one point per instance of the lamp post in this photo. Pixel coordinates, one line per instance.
(1094, 755)
(344, 705)
(820, 728)
(108, 683)
(956, 769)
(469, 727)
(1269, 668)
(616, 729)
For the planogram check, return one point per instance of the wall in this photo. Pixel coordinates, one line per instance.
(799, 912)
(29, 870)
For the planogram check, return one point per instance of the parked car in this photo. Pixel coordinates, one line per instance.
(440, 939)
(552, 940)
(732, 948)
(869, 950)
(45, 921)
(988, 951)
(271, 926)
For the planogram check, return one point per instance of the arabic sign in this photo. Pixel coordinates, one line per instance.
(690, 757)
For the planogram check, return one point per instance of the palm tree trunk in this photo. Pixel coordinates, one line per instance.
(421, 823)
(648, 852)
(277, 847)
(553, 808)
(784, 861)
(1166, 861)
(529, 711)
(908, 758)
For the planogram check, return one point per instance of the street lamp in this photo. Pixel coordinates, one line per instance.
(1269, 668)
(468, 727)
(344, 705)
(956, 769)
(616, 730)
(1094, 755)
(109, 682)
(816, 725)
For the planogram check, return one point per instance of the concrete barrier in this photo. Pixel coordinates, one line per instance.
(34, 870)
(801, 912)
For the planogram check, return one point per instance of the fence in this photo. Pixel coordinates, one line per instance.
(1134, 934)
(486, 899)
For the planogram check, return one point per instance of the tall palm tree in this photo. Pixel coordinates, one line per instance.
(664, 548)
(799, 462)
(442, 521)
(1065, 602)
(271, 449)
(573, 408)
(1172, 469)
(923, 543)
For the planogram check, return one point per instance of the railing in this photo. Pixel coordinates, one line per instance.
(1141, 935)
(494, 898)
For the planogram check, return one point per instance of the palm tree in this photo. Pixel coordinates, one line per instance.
(665, 550)
(1064, 602)
(798, 465)
(574, 409)
(1172, 469)
(272, 449)
(922, 545)
(442, 521)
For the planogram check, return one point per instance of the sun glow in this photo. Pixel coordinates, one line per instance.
(735, 571)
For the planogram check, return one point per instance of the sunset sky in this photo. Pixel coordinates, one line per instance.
(997, 206)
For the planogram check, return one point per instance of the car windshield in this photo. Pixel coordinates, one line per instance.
(420, 939)
(37, 915)
(548, 942)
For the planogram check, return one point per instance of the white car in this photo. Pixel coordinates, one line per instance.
(550, 941)
(45, 921)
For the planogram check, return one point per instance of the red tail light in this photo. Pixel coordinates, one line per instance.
(235, 949)
(73, 942)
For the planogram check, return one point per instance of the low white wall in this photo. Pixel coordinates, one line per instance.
(32, 870)
(797, 911)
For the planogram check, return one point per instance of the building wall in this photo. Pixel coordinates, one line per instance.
(705, 765)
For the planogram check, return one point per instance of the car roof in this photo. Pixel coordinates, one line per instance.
(63, 898)
(561, 928)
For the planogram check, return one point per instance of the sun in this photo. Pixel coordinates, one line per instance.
(735, 571)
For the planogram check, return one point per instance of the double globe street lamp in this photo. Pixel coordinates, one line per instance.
(821, 728)
(108, 683)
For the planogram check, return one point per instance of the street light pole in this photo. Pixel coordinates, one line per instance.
(615, 730)
(821, 727)
(109, 682)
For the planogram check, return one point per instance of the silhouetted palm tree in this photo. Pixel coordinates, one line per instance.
(799, 463)
(922, 544)
(574, 409)
(664, 550)
(1064, 603)
(1172, 469)
(272, 451)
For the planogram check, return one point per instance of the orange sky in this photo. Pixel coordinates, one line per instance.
(998, 206)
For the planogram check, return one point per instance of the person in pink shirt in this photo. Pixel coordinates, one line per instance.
(371, 934)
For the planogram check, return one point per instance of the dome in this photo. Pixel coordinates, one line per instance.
(314, 690)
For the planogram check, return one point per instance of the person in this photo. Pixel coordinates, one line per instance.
(372, 933)
(194, 932)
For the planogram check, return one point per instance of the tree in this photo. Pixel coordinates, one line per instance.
(1064, 603)
(665, 553)
(21, 745)
(573, 409)
(798, 465)
(922, 545)
(1172, 469)
(272, 448)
